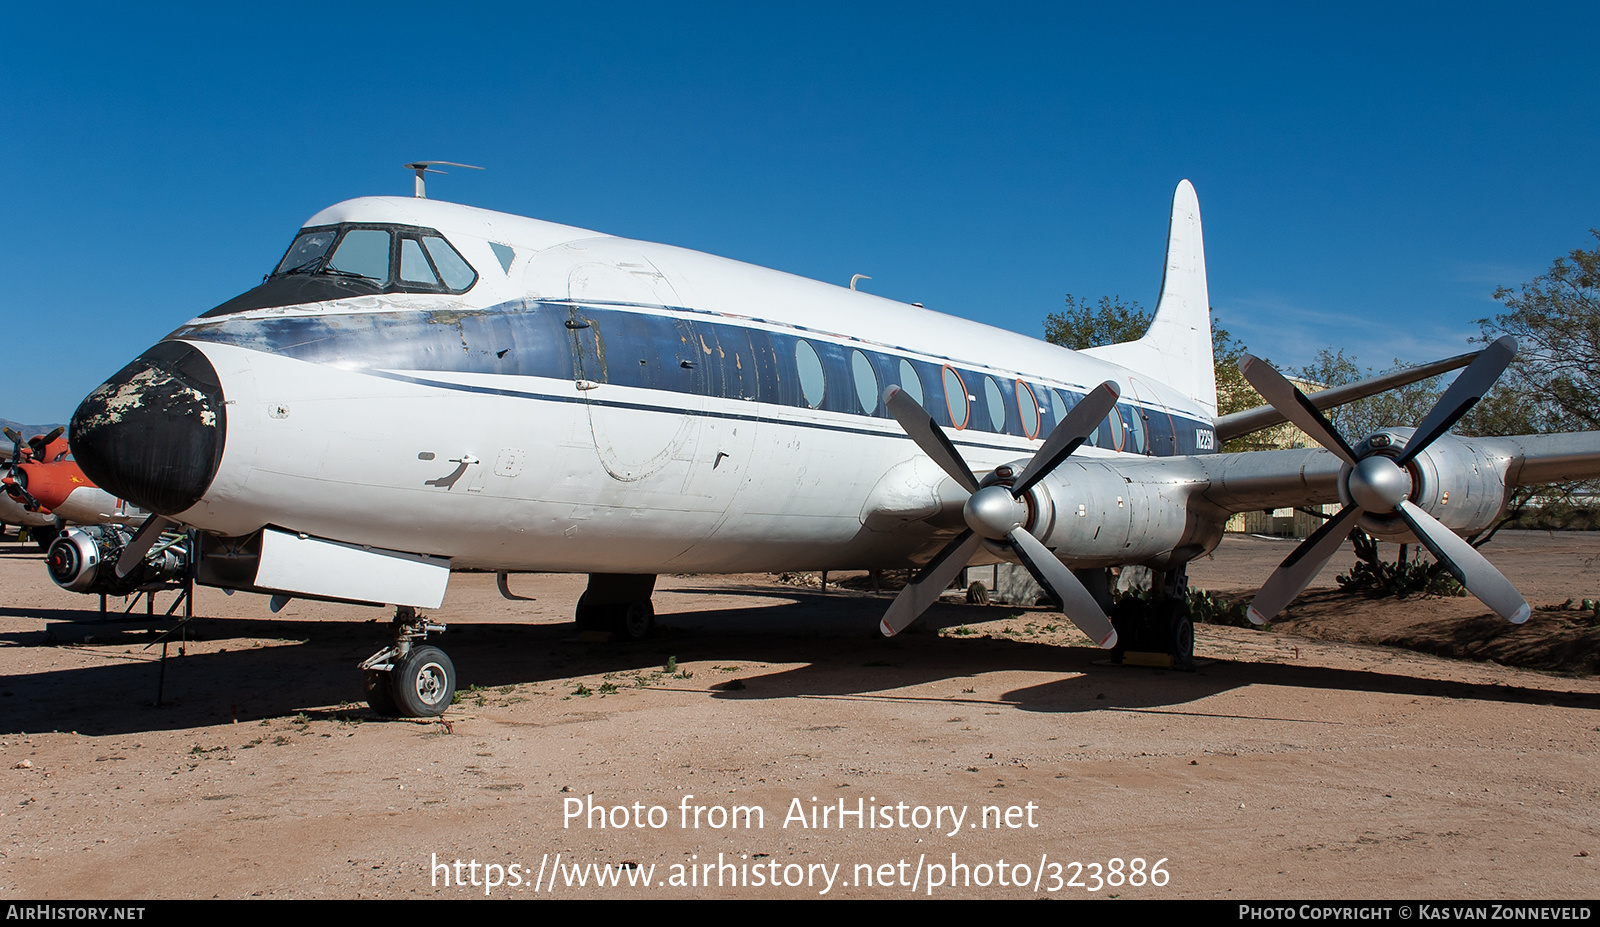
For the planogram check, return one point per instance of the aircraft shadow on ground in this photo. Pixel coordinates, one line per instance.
(824, 646)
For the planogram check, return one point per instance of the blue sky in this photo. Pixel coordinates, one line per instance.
(1366, 180)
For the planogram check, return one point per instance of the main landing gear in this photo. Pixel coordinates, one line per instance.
(405, 679)
(618, 603)
(1158, 631)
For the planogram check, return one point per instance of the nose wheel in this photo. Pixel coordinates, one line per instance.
(409, 680)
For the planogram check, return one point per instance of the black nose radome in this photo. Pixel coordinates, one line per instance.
(153, 433)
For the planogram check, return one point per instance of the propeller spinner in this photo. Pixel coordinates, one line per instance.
(1378, 481)
(996, 511)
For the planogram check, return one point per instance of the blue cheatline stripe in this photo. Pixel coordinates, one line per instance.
(672, 410)
(659, 353)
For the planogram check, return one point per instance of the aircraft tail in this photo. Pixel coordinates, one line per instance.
(1177, 348)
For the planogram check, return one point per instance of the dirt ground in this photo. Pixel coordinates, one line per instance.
(990, 751)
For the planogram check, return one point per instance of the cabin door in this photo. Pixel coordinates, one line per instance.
(626, 364)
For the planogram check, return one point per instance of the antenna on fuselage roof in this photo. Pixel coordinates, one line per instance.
(858, 277)
(426, 167)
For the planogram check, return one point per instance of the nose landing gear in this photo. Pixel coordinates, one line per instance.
(406, 680)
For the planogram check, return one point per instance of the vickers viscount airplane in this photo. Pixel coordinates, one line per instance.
(472, 390)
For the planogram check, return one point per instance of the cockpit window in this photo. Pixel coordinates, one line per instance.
(395, 257)
(358, 259)
(457, 274)
(362, 252)
(307, 250)
(414, 266)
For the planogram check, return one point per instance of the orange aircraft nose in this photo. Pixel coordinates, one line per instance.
(51, 483)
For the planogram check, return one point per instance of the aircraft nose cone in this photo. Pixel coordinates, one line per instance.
(153, 433)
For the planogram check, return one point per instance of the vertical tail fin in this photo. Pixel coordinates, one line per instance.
(1177, 348)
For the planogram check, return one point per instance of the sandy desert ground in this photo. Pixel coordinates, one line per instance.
(992, 752)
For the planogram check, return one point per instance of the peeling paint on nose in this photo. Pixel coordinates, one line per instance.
(153, 434)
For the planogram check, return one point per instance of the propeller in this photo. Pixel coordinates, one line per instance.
(1377, 482)
(995, 511)
(141, 542)
(41, 443)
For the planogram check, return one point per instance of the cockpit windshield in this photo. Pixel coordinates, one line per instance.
(358, 259)
(398, 258)
(308, 249)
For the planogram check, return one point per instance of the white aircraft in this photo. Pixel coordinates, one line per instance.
(466, 389)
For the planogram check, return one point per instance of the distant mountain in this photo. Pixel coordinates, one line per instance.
(27, 431)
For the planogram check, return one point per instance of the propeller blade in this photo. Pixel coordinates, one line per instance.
(1296, 571)
(923, 591)
(1070, 595)
(1467, 565)
(143, 539)
(1469, 387)
(921, 427)
(1069, 434)
(1288, 400)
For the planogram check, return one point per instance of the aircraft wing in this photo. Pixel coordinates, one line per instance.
(1485, 469)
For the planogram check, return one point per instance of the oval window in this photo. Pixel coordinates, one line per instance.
(866, 381)
(995, 401)
(812, 384)
(910, 381)
(1029, 407)
(955, 398)
(1111, 431)
(1136, 429)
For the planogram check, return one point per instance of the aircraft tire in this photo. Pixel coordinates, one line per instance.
(379, 692)
(1178, 628)
(1127, 617)
(423, 683)
(634, 621)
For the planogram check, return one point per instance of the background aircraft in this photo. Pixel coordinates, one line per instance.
(621, 408)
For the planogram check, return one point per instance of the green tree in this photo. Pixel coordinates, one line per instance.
(1554, 383)
(1111, 321)
(1403, 406)
(1556, 320)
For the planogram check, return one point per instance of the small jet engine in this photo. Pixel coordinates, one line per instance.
(84, 559)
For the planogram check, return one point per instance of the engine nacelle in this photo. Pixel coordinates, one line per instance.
(1457, 481)
(84, 559)
(1096, 514)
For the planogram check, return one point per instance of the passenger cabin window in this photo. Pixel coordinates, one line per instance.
(910, 381)
(812, 384)
(866, 381)
(955, 398)
(1029, 408)
(995, 401)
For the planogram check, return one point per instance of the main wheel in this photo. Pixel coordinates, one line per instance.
(423, 683)
(379, 692)
(1126, 618)
(634, 621)
(1178, 631)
